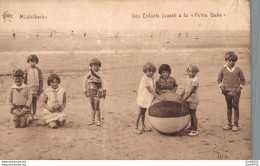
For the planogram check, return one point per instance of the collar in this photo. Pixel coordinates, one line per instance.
(55, 90)
(19, 87)
(230, 70)
(193, 79)
(149, 77)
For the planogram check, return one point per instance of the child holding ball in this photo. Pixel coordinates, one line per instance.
(191, 97)
(146, 94)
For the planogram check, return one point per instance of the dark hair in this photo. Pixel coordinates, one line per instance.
(53, 77)
(230, 55)
(95, 61)
(18, 73)
(33, 58)
(165, 67)
(149, 66)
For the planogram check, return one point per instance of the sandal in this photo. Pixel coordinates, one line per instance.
(98, 123)
(137, 131)
(91, 123)
(144, 128)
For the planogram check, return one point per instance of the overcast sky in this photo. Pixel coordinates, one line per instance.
(110, 16)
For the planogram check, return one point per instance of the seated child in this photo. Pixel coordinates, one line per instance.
(165, 83)
(54, 103)
(19, 100)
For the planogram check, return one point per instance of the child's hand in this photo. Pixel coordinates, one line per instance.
(223, 89)
(104, 94)
(86, 94)
(25, 110)
(233, 93)
(182, 101)
(22, 113)
(162, 98)
(238, 90)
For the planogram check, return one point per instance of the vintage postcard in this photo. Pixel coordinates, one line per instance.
(125, 80)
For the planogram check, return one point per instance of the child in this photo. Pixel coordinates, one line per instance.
(165, 83)
(231, 80)
(146, 94)
(191, 97)
(54, 103)
(94, 87)
(33, 79)
(19, 100)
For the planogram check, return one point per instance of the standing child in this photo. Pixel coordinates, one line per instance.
(165, 83)
(54, 103)
(94, 87)
(34, 80)
(19, 100)
(231, 80)
(146, 94)
(190, 95)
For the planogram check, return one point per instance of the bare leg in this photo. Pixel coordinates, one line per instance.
(93, 108)
(53, 125)
(97, 109)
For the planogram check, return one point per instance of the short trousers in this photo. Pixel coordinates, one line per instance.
(193, 105)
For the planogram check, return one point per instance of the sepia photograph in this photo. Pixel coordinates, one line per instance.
(125, 80)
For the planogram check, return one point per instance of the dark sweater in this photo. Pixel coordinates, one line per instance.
(231, 80)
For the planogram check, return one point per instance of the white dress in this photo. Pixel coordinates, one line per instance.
(55, 96)
(145, 98)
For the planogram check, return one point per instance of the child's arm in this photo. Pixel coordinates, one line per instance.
(175, 88)
(242, 82)
(154, 94)
(104, 84)
(64, 102)
(45, 100)
(85, 82)
(220, 78)
(189, 94)
(220, 85)
(183, 93)
(25, 77)
(158, 91)
(29, 101)
(10, 99)
(40, 82)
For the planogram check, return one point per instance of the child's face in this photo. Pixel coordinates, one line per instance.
(192, 73)
(231, 63)
(18, 81)
(149, 73)
(95, 67)
(32, 63)
(165, 74)
(54, 84)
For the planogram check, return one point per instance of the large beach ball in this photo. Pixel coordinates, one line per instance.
(169, 117)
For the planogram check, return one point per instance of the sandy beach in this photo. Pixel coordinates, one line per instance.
(122, 63)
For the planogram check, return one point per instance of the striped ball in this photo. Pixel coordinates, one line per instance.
(169, 117)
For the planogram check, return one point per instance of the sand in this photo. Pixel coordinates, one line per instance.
(122, 62)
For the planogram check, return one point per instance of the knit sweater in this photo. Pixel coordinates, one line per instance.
(34, 80)
(19, 96)
(231, 79)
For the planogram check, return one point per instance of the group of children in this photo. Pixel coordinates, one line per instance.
(23, 95)
(231, 80)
